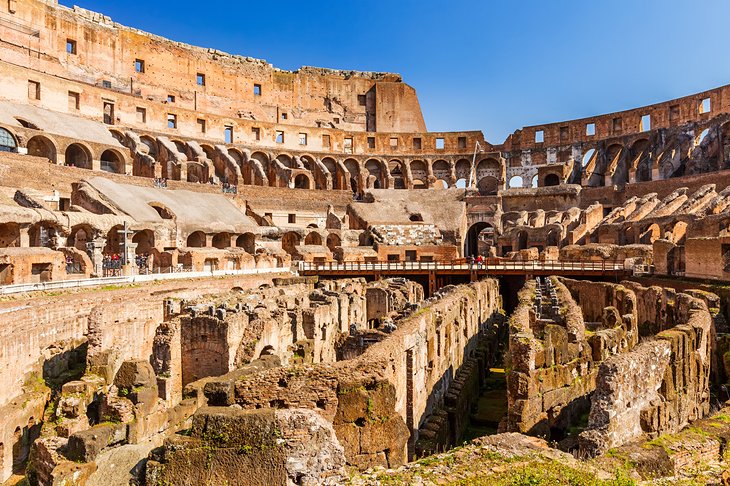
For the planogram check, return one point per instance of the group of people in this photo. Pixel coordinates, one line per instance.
(112, 265)
(160, 182)
(142, 263)
(479, 261)
(229, 188)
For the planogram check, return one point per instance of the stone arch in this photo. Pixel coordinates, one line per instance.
(151, 144)
(332, 167)
(286, 160)
(478, 231)
(463, 169)
(515, 182)
(290, 241)
(302, 181)
(196, 240)
(353, 167)
(313, 238)
(145, 241)
(419, 173)
(78, 155)
(522, 238)
(533, 183)
(182, 147)
(441, 169)
(40, 146)
(247, 241)
(397, 171)
(551, 180)
(333, 241)
(376, 169)
(112, 161)
(222, 240)
(553, 238)
(8, 142)
(488, 186)
(114, 240)
(79, 236)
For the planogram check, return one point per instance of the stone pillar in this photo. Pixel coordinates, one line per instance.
(94, 249)
(131, 253)
(24, 236)
(95, 165)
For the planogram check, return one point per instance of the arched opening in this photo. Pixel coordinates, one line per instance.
(534, 182)
(522, 240)
(78, 156)
(375, 168)
(112, 162)
(80, 236)
(441, 170)
(419, 172)
(331, 166)
(9, 235)
(396, 172)
(302, 182)
(247, 241)
(479, 239)
(163, 211)
(587, 157)
(313, 238)
(151, 145)
(40, 146)
(285, 160)
(145, 241)
(7, 141)
(553, 238)
(114, 241)
(354, 169)
(515, 182)
(461, 184)
(290, 241)
(551, 180)
(196, 240)
(488, 186)
(222, 240)
(440, 184)
(333, 241)
(650, 234)
(463, 170)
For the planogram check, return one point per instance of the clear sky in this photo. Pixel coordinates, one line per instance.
(490, 65)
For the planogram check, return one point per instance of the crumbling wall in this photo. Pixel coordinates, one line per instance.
(556, 343)
(379, 399)
(660, 386)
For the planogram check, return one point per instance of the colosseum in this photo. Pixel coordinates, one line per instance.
(217, 272)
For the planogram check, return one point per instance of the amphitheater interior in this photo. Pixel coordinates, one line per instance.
(214, 271)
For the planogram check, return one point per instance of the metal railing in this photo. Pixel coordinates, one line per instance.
(103, 281)
(488, 266)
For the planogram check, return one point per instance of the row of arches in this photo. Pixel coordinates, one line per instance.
(77, 154)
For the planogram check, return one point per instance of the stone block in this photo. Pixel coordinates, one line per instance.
(86, 445)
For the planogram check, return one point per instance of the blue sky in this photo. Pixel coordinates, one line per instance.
(483, 65)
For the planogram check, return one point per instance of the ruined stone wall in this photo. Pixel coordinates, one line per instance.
(660, 386)
(106, 51)
(378, 399)
(31, 332)
(556, 345)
